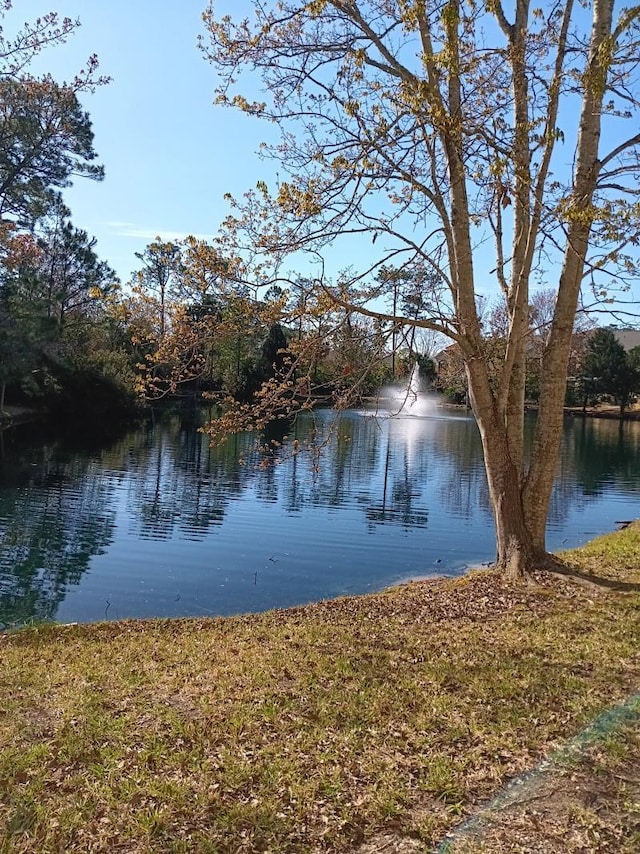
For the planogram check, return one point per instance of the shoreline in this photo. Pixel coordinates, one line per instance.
(15, 415)
(431, 580)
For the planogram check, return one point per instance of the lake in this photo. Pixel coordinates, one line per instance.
(157, 523)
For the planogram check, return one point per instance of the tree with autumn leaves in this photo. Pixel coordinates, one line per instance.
(53, 287)
(478, 145)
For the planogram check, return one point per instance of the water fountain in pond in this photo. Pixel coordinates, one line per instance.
(408, 400)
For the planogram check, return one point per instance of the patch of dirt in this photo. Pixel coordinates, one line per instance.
(584, 800)
(565, 811)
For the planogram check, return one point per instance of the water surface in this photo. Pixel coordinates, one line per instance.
(159, 524)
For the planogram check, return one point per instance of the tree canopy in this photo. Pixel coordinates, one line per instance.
(608, 369)
(444, 131)
(45, 135)
(49, 271)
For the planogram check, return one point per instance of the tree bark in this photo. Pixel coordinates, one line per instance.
(515, 549)
(546, 446)
(516, 553)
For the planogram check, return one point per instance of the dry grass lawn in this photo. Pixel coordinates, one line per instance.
(374, 723)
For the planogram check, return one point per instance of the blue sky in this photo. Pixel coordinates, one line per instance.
(169, 154)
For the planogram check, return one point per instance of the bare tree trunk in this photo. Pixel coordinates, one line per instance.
(515, 401)
(515, 549)
(518, 297)
(546, 446)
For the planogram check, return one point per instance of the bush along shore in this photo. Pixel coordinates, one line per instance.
(389, 722)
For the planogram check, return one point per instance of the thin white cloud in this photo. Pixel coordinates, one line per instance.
(130, 229)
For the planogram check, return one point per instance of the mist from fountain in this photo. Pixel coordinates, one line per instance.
(408, 400)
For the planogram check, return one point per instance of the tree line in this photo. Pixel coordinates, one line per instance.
(599, 368)
(73, 338)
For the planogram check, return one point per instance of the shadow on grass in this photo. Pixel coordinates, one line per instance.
(558, 567)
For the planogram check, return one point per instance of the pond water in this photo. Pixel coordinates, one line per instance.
(159, 524)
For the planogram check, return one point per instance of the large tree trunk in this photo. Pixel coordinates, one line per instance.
(539, 483)
(500, 422)
(516, 552)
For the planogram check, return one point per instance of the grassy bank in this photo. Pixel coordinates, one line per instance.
(348, 725)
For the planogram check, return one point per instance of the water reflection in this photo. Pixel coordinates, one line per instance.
(604, 451)
(55, 514)
(158, 523)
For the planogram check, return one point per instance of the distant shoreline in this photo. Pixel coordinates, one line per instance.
(15, 415)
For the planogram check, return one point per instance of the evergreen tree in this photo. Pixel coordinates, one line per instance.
(608, 370)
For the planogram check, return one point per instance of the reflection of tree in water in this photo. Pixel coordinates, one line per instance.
(366, 460)
(180, 485)
(344, 467)
(396, 468)
(54, 516)
(177, 483)
(602, 451)
(404, 479)
(331, 460)
(294, 498)
(595, 453)
(463, 488)
(348, 465)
